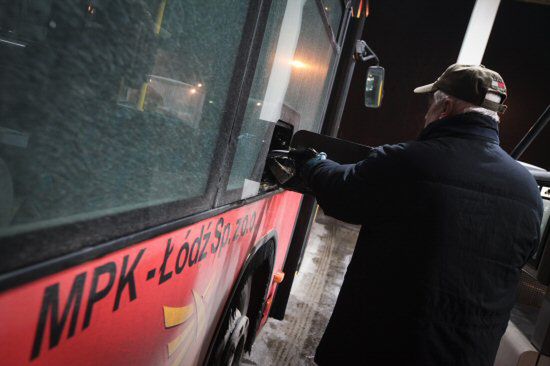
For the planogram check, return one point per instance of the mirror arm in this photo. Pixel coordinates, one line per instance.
(370, 58)
(364, 53)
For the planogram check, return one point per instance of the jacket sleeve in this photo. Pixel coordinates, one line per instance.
(348, 192)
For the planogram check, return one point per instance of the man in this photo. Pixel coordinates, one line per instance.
(448, 220)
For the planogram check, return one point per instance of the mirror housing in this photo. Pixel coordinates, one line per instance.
(374, 86)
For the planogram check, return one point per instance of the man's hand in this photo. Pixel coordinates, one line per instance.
(286, 167)
(302, 156)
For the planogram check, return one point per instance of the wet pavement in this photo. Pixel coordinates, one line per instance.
(293, 341)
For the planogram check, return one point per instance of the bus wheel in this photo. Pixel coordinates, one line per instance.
(237, 332)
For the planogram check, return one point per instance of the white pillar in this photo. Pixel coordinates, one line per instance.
(478, 32)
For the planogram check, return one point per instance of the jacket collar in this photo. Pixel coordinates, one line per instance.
(471, 125)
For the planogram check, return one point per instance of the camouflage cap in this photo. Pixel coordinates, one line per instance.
(470, 83)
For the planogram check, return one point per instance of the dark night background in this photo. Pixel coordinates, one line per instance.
(417, 40)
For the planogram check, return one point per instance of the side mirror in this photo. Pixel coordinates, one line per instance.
(374, 86)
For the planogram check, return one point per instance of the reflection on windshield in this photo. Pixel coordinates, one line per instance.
(170, 97)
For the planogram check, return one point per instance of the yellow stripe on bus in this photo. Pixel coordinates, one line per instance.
(176, 315)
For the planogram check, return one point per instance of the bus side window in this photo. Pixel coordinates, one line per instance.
(111, 106)
(294, 74)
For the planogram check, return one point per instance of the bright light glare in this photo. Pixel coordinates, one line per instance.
(258, 104)
(478, 32)
(199, 85)
(193, 91)
(298, 64)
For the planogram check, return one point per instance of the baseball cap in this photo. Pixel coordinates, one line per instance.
(471, 83)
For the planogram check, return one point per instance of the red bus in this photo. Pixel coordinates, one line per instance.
(137, 224)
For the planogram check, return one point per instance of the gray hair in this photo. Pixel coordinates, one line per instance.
(464, 107)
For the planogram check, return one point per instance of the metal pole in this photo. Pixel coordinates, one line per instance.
(532, 134)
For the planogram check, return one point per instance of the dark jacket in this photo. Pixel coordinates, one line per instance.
(447, 222)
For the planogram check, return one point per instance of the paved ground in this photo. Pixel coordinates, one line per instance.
(293, 341)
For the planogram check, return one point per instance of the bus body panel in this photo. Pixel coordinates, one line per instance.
(157, 302)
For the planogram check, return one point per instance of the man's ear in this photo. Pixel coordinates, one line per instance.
(447, 106)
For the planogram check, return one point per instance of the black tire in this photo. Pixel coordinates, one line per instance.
(233, 334)
(236, 334)
(243, 300)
